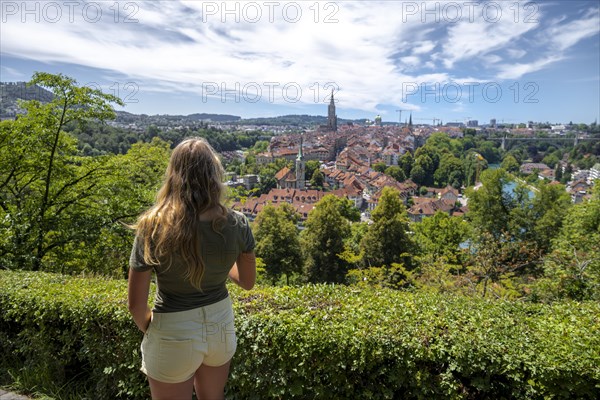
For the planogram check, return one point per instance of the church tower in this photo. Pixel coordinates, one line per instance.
(331, 117)
(300, 168)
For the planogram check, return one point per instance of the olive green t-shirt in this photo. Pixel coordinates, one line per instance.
(219, 251)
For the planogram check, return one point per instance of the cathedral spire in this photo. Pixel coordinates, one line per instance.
(300, 168)
(331, 117)
(300, 152)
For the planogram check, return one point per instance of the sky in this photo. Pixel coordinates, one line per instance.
(514, 61)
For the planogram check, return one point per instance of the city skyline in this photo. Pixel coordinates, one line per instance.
(452, 61)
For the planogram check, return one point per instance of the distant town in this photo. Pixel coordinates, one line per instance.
(347, 151)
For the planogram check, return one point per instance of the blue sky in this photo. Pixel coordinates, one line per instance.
(511, 60)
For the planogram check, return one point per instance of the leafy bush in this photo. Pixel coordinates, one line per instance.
(315, 341)
(62, 331)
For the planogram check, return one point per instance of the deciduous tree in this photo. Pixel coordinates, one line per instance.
(316, 182)
(441, 236)
(396, 172)
(45, 185)
(323, 241)
(572, 269)
(278, 241)
(387, 240)
(490, 206)
(510, 164)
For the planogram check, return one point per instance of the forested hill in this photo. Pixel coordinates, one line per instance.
(289, 120)
(166, 119)
(13, 91)
(10, 92)
(294, 120)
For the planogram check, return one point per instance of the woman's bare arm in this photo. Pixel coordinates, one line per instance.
(243, 272)
(137, 297)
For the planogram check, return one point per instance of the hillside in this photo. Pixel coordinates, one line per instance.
(169, 120)
(294, 120)
(11, 92)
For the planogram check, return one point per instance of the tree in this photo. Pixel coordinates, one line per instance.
(439, 141)
(572, 269)
(348, 210)
(260, 146)
(489, 151)
(505, 250)
(311, 167)
(129, 189)
(379, 166)
(316, 182)
(567, 174)
(278, 242)
(418, 175)
(474, 164)
(548, 209)
(551, 160)
(395, 172)
(406, 163)
(267, 177)
(449, 172)
(441, 236)
(558, 172)
(323, 241)
(490, 205)
(502, 265)
(510, 164)
(432, 153)
(427, 165)
(45, 186)
(387, 240)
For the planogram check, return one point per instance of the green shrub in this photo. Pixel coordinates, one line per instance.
(64, 331)
(315, 341)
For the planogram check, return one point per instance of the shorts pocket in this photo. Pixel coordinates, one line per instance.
(175, 358)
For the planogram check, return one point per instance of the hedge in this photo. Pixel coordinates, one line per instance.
(312, 342)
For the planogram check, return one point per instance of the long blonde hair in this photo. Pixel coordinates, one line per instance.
(192, 185)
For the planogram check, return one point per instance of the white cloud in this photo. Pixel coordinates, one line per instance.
(175, 48)
(567, 35)
(411, 61)
(472, 38)
(424, 47)
(553, 42)
(492, 58)
(516, 71)
(516, 53)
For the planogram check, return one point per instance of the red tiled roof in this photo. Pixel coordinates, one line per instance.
(282, 173)
(426, 206)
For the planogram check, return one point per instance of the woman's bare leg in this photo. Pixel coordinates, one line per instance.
(171, 391)
(209, 382)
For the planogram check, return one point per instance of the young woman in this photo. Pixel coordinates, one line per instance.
(193, 243)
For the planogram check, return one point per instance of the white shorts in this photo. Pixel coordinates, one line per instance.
(176, 344)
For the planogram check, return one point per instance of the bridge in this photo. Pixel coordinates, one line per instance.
(506, 141)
